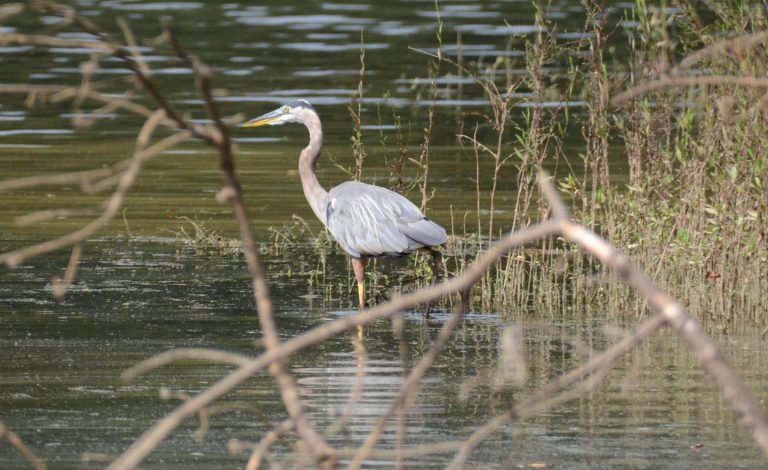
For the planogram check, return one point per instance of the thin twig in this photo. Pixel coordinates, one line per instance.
(59, 179)
(131, 42)
(182, 354)
(49, 214)
(49, 41)
(19, 445)
(262, 448)
(10, 9)
(671, 82)
(529, 406)
(717, 49)
(129, 60)
(14, 258)
(66, 92)
(151, 438)
(60, 286)
(316, 444)
(706, 351)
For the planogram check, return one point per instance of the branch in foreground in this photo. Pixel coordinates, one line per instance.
(706, 351)
(139, 450)
(14, 258)
(219, 138)
(670, 313)
(19, 445)
(62, 92)
(548, 394)
(671, 82)
(174, 355)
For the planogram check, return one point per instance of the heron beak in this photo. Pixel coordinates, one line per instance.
(264, 119)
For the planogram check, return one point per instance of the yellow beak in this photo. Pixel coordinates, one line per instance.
(264, 119)
(258, 122)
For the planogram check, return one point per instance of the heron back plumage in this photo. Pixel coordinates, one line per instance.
(368, 220)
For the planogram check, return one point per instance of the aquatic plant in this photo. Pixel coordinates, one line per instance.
(206, 240)
(693, 144)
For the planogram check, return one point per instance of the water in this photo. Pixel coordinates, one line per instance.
(139, 292)
(61, 391)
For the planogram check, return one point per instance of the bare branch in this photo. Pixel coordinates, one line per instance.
(672, 82)
(10, 9)
(717, 49)
(155, 435)
(731, 385)
(68, 92)
(531, 405)
(60, 285)
(14, 258)
(129, 60)
(80, 177)
(266, 442)
(50, 41)
(131, 42)
(219, 137)
(19, 445)
(49, 214)
(174, 355)
(550, 194)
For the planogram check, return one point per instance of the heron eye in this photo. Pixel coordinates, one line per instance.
(285, 109)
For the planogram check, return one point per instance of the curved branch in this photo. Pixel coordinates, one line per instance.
(671, 82)
(133, 456)
(167, 357)
(739, 43)
(14, 258)
(19, 445)
(65, 92)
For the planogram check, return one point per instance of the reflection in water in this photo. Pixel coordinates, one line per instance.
(62, 394)
(13, 132)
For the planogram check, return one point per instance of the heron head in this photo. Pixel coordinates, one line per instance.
(295, 111)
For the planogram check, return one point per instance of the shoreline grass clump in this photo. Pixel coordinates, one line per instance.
(663, 153)
(696, 196)
(692, 207)
(673, 174)
(205, 240)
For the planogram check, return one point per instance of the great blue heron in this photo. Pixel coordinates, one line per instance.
(366, 220)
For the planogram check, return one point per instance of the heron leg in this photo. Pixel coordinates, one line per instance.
(437, 271)
(437, 266)
(358, 266)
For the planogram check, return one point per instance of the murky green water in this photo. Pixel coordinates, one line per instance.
(138, 292)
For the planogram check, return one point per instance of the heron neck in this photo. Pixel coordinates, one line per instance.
(315, 194)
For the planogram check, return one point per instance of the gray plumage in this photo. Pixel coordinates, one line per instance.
(370, 220)
(366, 220)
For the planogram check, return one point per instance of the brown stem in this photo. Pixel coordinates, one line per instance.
(317, 446)
(133, 456)
(19, 445)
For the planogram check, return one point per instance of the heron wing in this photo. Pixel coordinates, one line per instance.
(371, 220)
